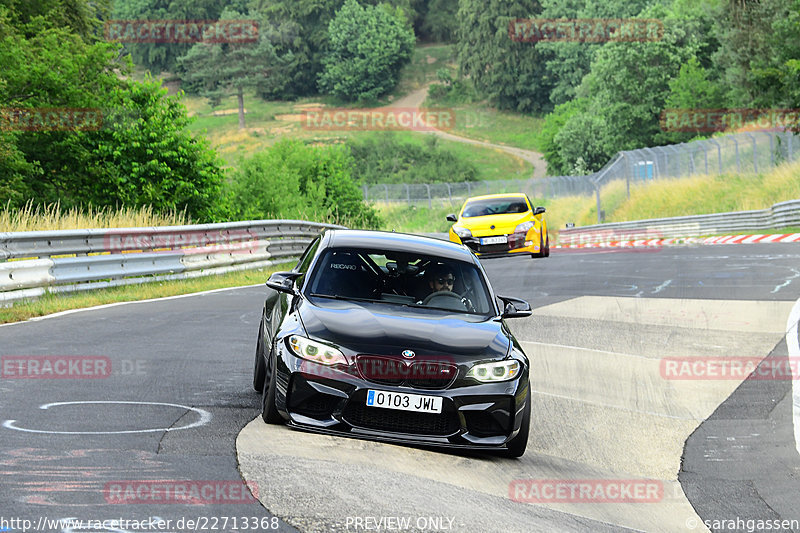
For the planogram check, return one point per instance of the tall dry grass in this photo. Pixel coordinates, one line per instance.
(698, 195)
(52, 217)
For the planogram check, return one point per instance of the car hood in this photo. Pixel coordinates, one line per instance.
(480, 226)
(386, 329)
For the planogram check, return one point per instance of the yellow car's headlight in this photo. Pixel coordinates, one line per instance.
(524, 227)
(463, 233)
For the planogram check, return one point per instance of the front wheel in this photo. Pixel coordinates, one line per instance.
(547, 247)
(269, 413)
(542, 252)
(259, 368)
(516, 446)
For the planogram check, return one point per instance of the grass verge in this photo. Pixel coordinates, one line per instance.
(54, 303)
(51, 217)
(697, 195)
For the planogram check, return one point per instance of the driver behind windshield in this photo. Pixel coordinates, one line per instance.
(441, 277)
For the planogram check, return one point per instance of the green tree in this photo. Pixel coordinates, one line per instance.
(221, 69)
(568, 62)
(368, 47)
(158, 57)
(139, 154)
(383, 158)
(440, 22)
(627, 88)
(553, 124)
(78, 16)
(293, 180)
(511, 74)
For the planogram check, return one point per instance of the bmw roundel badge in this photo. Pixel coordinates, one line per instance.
(408, 354)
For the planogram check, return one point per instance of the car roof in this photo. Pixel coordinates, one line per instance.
(500, 195)
(397, 242)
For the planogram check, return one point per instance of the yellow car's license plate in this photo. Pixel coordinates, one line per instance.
(502, 239)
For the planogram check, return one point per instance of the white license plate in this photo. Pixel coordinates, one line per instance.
(502, 239)
(404, 402)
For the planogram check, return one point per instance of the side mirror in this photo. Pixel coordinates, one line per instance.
(452, 218)
(515, 307)
(539, 211)
(283, 281)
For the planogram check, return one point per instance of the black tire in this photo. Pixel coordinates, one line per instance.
(269, 412)
(541, 248)
(547, 247)
(516, 446)
(259, 367)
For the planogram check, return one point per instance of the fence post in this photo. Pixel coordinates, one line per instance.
(719, 154)
(428, 187)
(755, 153)
(597, 197)
(627, 174)
(738, 161)
(385, 186)
(449, 194)
(408, 194)
(366, 192)
(469, 189)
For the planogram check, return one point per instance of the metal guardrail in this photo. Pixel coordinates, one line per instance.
(781, 215)
(33, 263)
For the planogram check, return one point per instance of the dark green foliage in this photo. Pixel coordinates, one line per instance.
(158, 57)
(78, 16)
(140, 154)
(293, 180)
(383, 158)
(217, 70)
(568, 62)
(552, 126)
(511, 74)
(368, 47)
(440, 23)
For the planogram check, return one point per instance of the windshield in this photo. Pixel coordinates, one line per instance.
(401, 278)
(494, 206)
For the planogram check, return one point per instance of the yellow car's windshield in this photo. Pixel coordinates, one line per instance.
(494, 206)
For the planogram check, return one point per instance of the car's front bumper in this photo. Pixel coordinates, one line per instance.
(474, 416)
(515, 245)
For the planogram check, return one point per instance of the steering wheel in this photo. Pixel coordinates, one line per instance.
(450, 300)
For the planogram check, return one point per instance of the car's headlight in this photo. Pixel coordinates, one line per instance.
(524, 227)
(463, 233)
(499, 371)
(316, 351)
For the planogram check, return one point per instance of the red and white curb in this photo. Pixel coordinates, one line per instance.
(725, 239)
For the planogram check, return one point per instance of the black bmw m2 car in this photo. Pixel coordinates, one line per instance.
(397, 338)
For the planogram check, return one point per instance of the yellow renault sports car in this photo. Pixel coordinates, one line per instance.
(501, 224)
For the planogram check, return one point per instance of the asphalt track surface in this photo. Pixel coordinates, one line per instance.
(179, 393)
